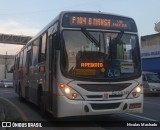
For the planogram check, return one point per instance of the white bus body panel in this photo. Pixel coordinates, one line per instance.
(67, 107)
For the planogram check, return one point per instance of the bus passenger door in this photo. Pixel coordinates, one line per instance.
(49, 73)
(28, 74)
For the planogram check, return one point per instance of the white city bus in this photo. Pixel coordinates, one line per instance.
(82, 63)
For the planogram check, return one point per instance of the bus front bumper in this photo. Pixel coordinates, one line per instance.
(67, 107)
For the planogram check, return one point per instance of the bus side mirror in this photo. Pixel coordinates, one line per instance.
(144, 78)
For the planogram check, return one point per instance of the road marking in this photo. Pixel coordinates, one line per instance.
(24, 117)
(7, 92)
(2, 91)
(22, 114)
(146, 118)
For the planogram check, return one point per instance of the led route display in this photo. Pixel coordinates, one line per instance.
(98, 21)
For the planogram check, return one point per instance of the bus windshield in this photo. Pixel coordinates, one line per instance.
(109, 56)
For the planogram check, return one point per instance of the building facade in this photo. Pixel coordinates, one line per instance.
(150, 52)
(6, 62)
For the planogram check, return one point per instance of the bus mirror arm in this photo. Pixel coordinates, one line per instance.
(54, 69)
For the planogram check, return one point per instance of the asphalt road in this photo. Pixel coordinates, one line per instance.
(30, 112)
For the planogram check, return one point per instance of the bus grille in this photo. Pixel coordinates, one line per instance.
(104, 87)
(94, 96)
(115, 96)
(105, 106)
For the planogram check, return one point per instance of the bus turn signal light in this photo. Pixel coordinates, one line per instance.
(61, 85)
(74, 95)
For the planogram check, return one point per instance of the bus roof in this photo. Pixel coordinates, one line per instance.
(94, 12)
(61, 14)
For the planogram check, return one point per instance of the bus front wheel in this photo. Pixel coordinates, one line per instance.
(41, 103)
(21, 99)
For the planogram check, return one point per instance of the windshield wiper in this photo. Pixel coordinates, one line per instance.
(113, 43)
(119, 36)
(90, 37)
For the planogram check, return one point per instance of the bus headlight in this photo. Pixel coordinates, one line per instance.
(69, 92)
(138, 89)
(135, 92)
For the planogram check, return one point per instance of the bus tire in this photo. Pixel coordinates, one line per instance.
(21, 99)
(16, 89)
(41, 103)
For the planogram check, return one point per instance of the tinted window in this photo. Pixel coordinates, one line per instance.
(24, 59)
(35, 52)
(21, 58)
(115, 56)
(153, 78)
(43, 48)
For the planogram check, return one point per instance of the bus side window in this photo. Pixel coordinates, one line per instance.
(21, 60)
(17, 62)
(54, 52)
(28, 60)
(43, 48)
(24, 57)
(35, 52)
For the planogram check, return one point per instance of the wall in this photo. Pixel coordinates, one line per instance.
(150, 52)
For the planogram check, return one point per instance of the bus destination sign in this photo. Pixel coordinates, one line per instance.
(98, 21)
(103, 22)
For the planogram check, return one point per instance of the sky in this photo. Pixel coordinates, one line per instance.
(28, 17)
